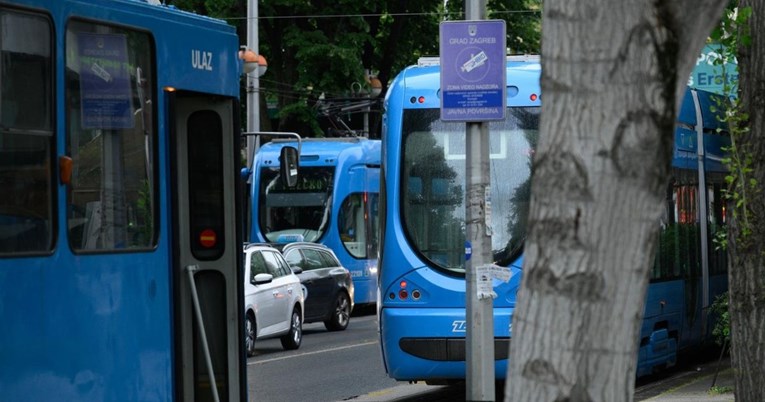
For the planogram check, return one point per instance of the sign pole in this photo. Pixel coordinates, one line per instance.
(473, 87)
(479, 314)
(480, 317)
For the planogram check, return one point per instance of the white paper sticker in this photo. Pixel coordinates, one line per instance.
(484, 278)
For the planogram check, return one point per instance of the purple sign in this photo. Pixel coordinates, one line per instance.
(473, 64)
(104, 81)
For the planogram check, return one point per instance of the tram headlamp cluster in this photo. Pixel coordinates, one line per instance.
(403, 293)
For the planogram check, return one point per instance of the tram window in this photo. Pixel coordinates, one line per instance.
(689, 230)
(26, 136)
(679, 239)
(716, 224)
(666, 265)
(358, 225)
(110, 138)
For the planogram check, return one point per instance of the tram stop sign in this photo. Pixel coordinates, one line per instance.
(473, 59)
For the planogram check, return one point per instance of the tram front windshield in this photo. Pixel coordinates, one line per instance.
(433, 185)
(302, 211)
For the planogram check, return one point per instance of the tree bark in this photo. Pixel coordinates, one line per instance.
(613, 73)
(747, 271)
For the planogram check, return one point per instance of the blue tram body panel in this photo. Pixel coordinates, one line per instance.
(99, 326)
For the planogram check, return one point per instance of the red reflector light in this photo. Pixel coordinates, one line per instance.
(533, 97)
(402, 284)
(421, 99)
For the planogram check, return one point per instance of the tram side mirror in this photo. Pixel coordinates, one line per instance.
(245, 173)
(288, 166)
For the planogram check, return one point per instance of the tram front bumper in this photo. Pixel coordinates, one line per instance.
(430, 343)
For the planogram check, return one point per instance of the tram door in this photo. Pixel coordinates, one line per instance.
(207, 276)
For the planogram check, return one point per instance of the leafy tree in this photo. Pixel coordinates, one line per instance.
(747, 229)
(324, 47)
(742, 309)
(613, 76)
(523, 20)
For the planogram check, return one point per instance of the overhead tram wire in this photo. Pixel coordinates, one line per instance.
(294, 95)
(291, 89)
(457, 14)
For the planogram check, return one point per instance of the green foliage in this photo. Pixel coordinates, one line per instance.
(523, 22)
(733, 29)
(742, 186)
(719, 309)
(720, 237)
(324, 47)
(717, 390)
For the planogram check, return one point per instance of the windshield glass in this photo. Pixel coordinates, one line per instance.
(300, 211)
(358, 223)
(433, 185)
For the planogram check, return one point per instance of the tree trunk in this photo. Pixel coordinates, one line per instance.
(613, 73)
(747, 270)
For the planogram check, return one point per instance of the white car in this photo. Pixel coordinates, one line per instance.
(273, 298)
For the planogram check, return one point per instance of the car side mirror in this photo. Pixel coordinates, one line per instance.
(262, 278)
(296, 269)
(288, 166)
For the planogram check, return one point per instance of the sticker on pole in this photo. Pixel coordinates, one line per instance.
(473, 58)
(485, 274)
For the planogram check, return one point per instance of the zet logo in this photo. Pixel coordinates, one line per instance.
(459, 326)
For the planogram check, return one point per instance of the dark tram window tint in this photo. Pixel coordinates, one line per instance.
(206, 185)
(26, 136)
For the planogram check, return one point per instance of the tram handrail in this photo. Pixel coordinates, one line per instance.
(190, 269)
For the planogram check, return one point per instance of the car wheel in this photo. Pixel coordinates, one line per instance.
(293, 338)
(249, 335)
(341, 315)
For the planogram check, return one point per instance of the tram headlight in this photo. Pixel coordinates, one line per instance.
(406, 291)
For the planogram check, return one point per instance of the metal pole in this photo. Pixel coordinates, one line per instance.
(190, 269)
(366, 118)
(253, 97)
(479, 314)
(702, 202)
(366, 109)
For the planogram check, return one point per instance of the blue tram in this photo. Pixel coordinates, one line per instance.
(334, 202)
(120, 250)
(422, 286)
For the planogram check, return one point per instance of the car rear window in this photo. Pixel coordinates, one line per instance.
(330, 260)
(313, 260)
